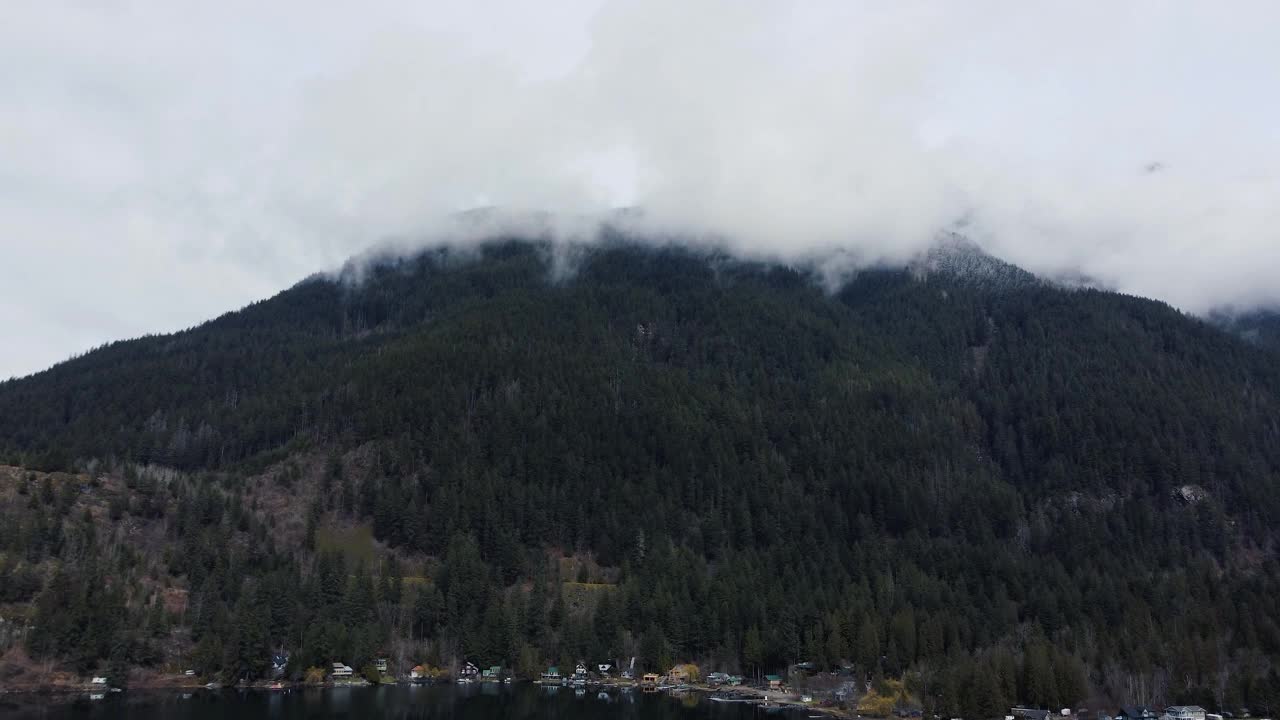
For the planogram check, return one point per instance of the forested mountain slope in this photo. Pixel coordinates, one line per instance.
(1261, 327)
(1007, 490)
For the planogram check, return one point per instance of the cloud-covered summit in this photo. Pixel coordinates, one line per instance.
(167, 161)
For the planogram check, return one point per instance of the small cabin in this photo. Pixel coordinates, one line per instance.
(775, 681)
(580, 671)
(417, 673)
(650, 679)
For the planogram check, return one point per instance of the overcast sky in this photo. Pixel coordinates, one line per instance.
(162, 162)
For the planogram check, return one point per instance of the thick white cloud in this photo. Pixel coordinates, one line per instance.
(161, 162)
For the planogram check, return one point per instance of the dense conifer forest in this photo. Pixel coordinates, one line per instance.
(996, 489)
(1260, 327)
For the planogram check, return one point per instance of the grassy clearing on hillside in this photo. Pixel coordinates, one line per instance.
(355, 543)
(583, 597)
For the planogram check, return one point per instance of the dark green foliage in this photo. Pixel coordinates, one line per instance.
(18, 583)
(1017, 482)
(81, 617)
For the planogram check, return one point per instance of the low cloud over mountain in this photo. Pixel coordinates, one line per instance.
(166, 163)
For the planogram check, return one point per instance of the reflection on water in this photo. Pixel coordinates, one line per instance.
(481, 701)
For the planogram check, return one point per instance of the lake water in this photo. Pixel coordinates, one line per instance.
(473, 702)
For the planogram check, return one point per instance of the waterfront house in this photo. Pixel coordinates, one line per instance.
(493, 672)
(580, 672)
(1136, 712)
(418, 673)
(775, 681)
(341, 670)
(469, 671)
(552, 674)
(279, 662)
(718, 678)
(650, 679)
(604, 669)
(98, 681)
(1183, 712)
(380, 664)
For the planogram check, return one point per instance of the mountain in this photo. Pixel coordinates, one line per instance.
(963, 261)
(1259, 326)
(995, 488)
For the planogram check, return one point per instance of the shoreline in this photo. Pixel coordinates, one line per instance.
(744, 694)
(750, 695)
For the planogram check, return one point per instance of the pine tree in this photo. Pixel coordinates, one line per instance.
(247, 652)
(1038, 685)
(753, 648)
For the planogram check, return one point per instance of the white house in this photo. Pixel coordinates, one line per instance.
(342, 671)
(98, 681)
(1183, 712)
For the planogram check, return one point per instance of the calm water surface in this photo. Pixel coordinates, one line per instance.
(473, 702)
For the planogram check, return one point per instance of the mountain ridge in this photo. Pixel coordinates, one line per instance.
(1260, 326)
(917, 473)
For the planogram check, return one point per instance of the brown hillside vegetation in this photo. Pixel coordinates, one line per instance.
(128, 520)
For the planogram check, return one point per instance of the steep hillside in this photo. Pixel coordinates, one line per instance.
(949, 469)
